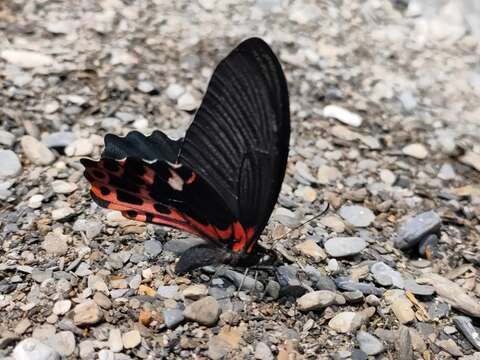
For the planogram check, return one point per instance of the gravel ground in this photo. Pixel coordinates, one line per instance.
(386, 129)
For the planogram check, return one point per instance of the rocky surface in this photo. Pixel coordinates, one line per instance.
(385, 128)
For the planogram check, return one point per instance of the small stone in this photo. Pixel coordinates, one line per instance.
(61, 307)
(36, 152)
(353, 297)
(35, 201)
(152, 248)
(342, 115)
(195, 292)
(450, 346)
(22, 326)
(59, 139)
(86, 350)
(115, 342)
(63, 187)
(91, 228)
(344, 246)
(327, 174)
(105, 354)
(40, 276)
(408, 100)
(403, 344)
(102, 300)
(316, 300)
(63, 342)
(273, 289)
(369, 344)
(55, 243)
(422, 290)
(7, 139)
(11, 165)
(187, 102)
(172, 317)
(356, 215)
(33, 349)
(44, 332)
(417, 227)
(380, 269)
(263, 352)
(205, 311)
(346, 322)
(147, 87)
(449, 330)
(80, 147)
(418, 151)
(168, 292)
(387, 177)
(62, 213)
(247, 282)
(87, 313)
(26, 59)
(472, 159)
(345, 283)
(372, 300)
(402, 308)
(174, 91)
(321, 281)
(464, 324)
(131, 339)
(447, 172)
(311, 249)
(334, 223)
(333, 266)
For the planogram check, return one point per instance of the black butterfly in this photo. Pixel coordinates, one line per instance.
(222, 180)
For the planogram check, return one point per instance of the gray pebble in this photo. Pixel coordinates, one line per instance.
(152, 248)
(369, 344)
(11, 165)
(382, 271)
(344, 246)
(422, 290)
(356, 215)
(172, 317)
(415, 228)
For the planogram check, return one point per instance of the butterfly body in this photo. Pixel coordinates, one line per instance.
(221, 181)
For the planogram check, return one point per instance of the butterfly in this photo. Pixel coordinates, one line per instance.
(220, 181)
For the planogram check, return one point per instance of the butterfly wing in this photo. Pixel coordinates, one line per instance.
(222, 180)
(238, 141)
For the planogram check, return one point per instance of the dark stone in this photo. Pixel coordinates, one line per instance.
(417, 227)
(358, 354)
(321, 281)
(353, 297)
(465, 326)
(404, 345)
(345, 283)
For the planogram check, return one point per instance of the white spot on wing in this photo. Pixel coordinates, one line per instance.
(175, 181)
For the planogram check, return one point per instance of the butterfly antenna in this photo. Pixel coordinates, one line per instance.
(323, 211)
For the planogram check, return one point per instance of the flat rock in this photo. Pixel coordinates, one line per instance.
(311, 249)
(6, 138)
(472, 159)
(63, 187)
(61, 307)
(55, 243)
(417, 289)
(115, 342)
(26, 59)
(369, 344)
(346, 322)
(80, 147)
(344, 246)
(381, 269)
(327, 174)
(464, 324)
(417, 227)
(195, 292)
(167, 291)
(37, 152)
(342, 115)
(63, 342)
(402, 308)
(334, 223)
(33, 349)
(131, 339)
(59, 139)
(87, 313)
(358, 216)
(11, 165)
(263, 352)
(152, 248)
(172, 317)
(205, 311)
(418, 151)
(316, 300)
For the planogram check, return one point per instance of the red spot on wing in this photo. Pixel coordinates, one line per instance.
(191, 179)
(242, 237)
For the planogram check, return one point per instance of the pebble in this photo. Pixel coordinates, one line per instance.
(6, 138)
(131, 339)
(321, 281)
(449, 346)
(35, 201)
(353, 297)
(11, 165)
(40, 275)
(195, 292)
(387, 177)
(33, 349)
(36, 152)
(115, 342)
(147, 87)
(91, 228)
(87, 313)
(187, 102)
(105, 354)
(327, 174)
(59, 139)
(417, 151)
(402, 308)
(168, 292)
(346, 322)
(61, 307)
(356, 215)
(403, 344)
(55, 243)
(86, 350)
(342, 115)
(369, 344)
(408, 100)
(174, 91)
(472, 159)
(289, 282)
(345, 283)
(263, 352)
(316, 300)
(382, 270)
(334, 223)
(63, 187)
(205, 311)
(447, 172)
(172, 317)
(344, 246)
(414, 288)
(102, 300)
(26, 59)
(464, 325)
(152, 248)
(247, 282)
(80, 147)
(43, 332)
(415, 228)
(63, 342)
(62, 213)
(273, 289)
(311, 249)
(22, 326)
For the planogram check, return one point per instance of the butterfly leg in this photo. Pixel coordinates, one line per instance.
(243, 281)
